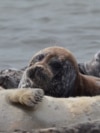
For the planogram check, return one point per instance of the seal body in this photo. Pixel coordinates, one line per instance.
(91, 67)
(28, 109)
(10, 78)
(55, 70)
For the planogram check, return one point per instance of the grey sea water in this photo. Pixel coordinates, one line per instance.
(26, 26)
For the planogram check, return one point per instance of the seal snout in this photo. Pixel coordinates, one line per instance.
(39, 73)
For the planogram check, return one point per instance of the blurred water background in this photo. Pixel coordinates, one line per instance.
(26, 26)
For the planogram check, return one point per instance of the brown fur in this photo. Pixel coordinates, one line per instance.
(67, 82)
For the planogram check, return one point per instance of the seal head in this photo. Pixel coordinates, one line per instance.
(91, 67)
(53, 69)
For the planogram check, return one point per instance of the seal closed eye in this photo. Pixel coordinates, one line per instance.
(55, 64)
(37, 59)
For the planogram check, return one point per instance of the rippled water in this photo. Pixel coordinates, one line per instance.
(27, 26)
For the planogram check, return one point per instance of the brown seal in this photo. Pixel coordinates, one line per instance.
(91, 67)
(10, 78)
(56, 71)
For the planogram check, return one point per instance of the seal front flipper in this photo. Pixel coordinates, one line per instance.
(29, 97)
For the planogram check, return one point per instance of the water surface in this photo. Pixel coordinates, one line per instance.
(26, 26)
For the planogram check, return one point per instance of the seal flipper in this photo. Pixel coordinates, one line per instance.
(28, 97)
